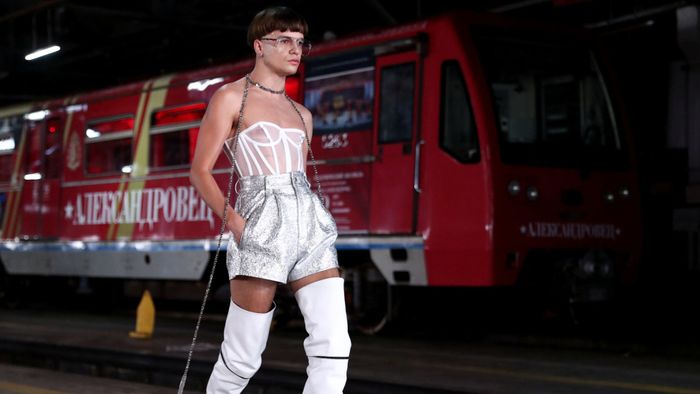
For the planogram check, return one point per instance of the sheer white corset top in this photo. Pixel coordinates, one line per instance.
(264, 148)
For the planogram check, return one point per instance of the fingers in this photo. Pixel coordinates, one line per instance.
(236, 226)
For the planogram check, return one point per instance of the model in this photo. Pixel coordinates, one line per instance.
(281, 231)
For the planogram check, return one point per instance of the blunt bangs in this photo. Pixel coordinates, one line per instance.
(275, 18)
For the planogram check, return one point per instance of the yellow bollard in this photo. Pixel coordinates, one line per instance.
(145, 317)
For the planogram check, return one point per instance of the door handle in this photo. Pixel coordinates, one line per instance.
(416, 168)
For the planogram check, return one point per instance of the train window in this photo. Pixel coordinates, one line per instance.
(33, 156)
(552, 105)
(43, 151)
(339, 92)
(10, 134)
(52, 149)
(108, 145)
(174, 135)
(396, 103)
(457, 128)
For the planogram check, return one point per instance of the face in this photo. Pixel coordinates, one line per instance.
(280, 51)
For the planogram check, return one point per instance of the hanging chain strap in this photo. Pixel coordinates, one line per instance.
(234, 166)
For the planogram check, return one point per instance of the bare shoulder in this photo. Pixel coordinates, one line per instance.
(308, 117)
(304, 111)
(224, 104)
(229, 94)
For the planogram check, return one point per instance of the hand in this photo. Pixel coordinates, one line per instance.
(235, 225)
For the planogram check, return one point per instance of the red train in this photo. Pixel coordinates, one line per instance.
(463, 150)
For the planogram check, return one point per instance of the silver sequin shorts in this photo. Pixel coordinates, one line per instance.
(288, 234)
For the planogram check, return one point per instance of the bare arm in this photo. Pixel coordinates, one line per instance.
(308, 122)
(215, 127)
(308, 119)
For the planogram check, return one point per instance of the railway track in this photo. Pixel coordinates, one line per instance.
(166, 371)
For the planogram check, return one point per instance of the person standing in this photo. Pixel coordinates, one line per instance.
(280, 230)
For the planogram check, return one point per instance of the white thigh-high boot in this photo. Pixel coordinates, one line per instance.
(245, 338)
(328, 344)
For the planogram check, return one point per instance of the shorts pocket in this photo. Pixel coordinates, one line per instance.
(249, 203)
(245, 227)
(325, 216)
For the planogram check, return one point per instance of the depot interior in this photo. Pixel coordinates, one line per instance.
(654, 46)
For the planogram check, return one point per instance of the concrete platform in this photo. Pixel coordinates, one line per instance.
(429, 366)
(17, 379)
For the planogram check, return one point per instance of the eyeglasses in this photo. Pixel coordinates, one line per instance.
(286, 43)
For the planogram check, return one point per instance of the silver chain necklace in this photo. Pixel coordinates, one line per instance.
(249, 79)
(234, 166)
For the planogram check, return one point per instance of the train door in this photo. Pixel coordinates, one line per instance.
(41, 191)
(392, 190)
(11, 136)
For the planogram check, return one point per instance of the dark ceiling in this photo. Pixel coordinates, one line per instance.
(112, 42)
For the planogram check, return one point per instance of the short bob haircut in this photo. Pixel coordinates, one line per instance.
(275, 18)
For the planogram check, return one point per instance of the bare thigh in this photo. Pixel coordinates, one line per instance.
(299, 283)
(253, 294)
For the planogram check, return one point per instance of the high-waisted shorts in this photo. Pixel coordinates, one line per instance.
(288, 234)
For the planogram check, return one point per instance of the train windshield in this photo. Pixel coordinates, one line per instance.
(551, 103)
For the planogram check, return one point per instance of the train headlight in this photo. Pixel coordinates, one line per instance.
(624, 192)
(605, 269)
(532, 193)
(514, 188)
(609, 197)
(586, 267)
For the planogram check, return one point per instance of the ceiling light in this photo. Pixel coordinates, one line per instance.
(42, 52)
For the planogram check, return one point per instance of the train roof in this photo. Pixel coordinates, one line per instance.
(360, 39)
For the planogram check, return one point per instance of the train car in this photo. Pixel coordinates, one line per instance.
(465, 150)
